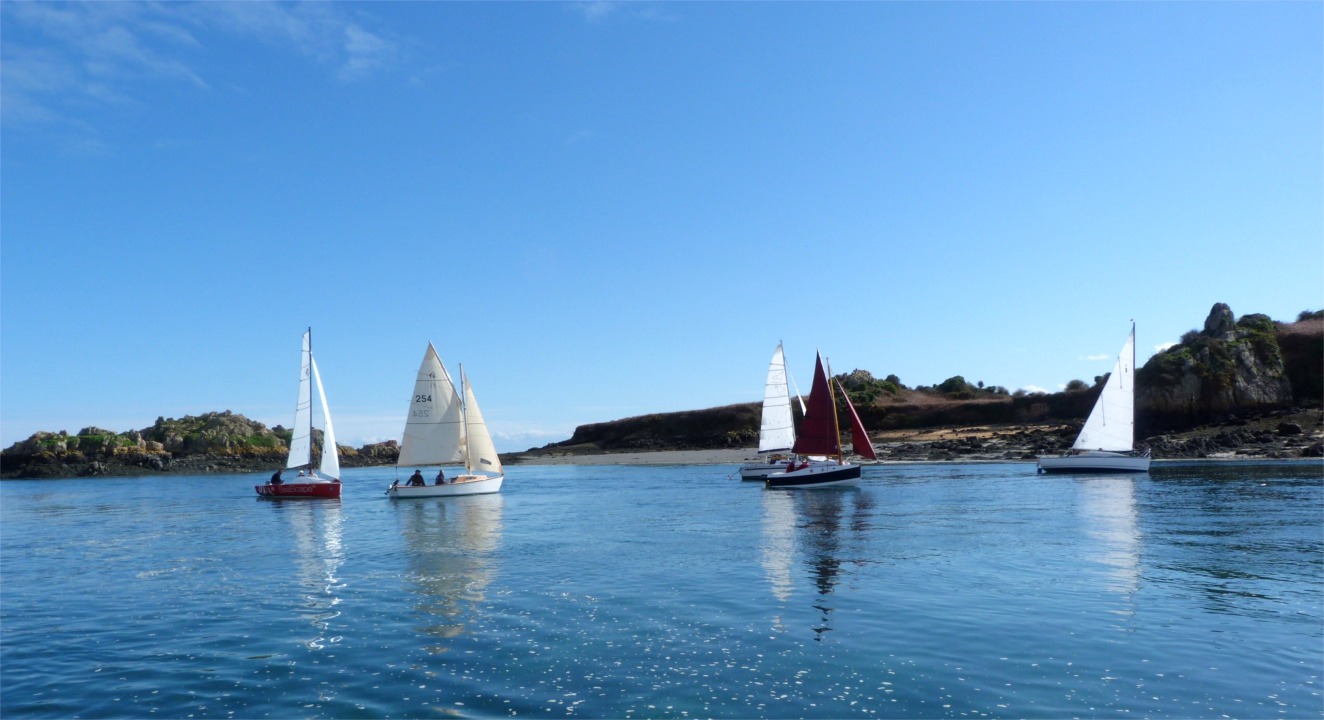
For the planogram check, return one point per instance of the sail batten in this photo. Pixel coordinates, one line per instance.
(434, 429)
(777, 426)
(1111, 423)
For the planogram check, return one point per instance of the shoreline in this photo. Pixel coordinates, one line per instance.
(739, 457)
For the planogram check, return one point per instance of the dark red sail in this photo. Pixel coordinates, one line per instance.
(818, 432)
(858, 437)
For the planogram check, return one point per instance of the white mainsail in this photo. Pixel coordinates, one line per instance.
(1111, 424)
(777, 428)
(301, 443)
(434, 430)
(482, 455)
(330, 466)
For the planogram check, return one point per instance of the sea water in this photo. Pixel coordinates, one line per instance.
(930, 591)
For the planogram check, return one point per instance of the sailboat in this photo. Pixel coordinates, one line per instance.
(820, 434)
(443, 429)
(327, 485)
(777, 426)
(1107, 442)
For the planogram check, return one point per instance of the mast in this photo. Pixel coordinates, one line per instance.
(464, 418)
(836, 423)
(310, 404)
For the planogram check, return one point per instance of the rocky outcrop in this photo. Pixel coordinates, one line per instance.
(1230, 367)
(211, 442)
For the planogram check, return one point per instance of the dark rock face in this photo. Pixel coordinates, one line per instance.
(1302, 346)
(1228, 368)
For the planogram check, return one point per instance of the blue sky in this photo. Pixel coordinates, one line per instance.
(606, 210)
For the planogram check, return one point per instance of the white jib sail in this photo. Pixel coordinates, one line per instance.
(330, 465)
(434, 432)
(777, 428)
(1111, 424)
(482, 453)
(301, 443)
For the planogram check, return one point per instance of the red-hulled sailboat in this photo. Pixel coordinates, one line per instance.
(310, 485)
(820, 434)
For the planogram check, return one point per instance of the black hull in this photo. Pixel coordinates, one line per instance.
(814, 477)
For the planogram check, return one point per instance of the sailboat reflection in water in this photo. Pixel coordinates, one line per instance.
(814, 529)
(1108, 512)
(318, 553)
(450, 547)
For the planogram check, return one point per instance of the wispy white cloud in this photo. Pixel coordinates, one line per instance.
(1095, 358)
(1161, 347)
(597, 10)
(63, 63)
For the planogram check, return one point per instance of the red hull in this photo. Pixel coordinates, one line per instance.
(300, 490)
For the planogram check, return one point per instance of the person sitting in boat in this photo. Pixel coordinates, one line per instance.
(417, 479)
(441, 477)
(275, 478)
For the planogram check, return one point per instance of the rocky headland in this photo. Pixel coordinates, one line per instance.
(208, 443)
(1237, 388)
(1244, 387)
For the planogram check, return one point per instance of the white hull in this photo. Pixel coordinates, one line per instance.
(761, 471)
(758, 472)
(462, 485)
(1095, 461)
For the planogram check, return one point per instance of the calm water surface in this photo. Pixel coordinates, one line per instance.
(930, 591)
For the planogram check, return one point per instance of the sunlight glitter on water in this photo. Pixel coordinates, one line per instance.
(929, 591)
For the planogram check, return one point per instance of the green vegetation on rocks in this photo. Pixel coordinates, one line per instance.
(211, 442)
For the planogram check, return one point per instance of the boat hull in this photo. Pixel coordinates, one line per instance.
(462, 485)
(296, 490)
(760, 471)
(1095, 461)
(817, 475)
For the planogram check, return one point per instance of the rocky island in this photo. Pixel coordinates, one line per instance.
(1245, 387)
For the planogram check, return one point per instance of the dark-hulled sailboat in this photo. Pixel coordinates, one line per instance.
(820, 434)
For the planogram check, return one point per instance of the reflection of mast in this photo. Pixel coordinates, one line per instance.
(318, 554)
(1107, 507)
(448, 545)
(823, 530)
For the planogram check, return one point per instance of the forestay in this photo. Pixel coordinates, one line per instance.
(1111, 424)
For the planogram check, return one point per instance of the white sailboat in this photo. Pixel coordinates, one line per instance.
(1107, 442)
(327, 485)
(777, 425)
(443, 429)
